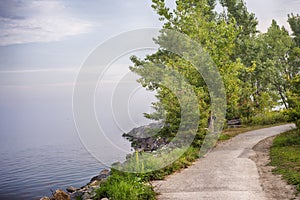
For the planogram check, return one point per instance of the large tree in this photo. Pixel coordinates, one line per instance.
(278, 44)
(198, 20)
(247, 48)
(294, 76)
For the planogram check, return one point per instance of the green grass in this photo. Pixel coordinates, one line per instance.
(155, 166)
(184, 161)
(285, 156)
(124, 186)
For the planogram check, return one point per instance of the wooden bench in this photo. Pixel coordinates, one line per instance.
(234, 123)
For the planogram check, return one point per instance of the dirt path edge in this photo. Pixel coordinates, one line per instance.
(274, 186)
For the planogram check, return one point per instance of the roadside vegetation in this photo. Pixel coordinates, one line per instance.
(285, 156)
(260, 72)
(285, 152)
(125, 186)
(122, 186)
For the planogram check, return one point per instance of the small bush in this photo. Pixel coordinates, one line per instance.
(266, 119)
(294, 116)
(124, 186)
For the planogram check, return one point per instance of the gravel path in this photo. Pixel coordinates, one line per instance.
(227, 173)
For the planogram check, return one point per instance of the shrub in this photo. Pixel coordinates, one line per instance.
(266, 119)
(121, 185)
(124, 186)
(294, 116)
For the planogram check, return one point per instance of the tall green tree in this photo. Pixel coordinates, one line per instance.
(278, 44)
(198, 20)
(246, 50)
(294, 54)
(294, 100)
(294, 76)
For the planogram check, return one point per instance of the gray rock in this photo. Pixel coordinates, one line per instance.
(102, 175)
(71, 189)
(94, 183)
(76, 194)
(143, 131)
(85, 196)
(105, 172)
(93, 194)
(143, 138)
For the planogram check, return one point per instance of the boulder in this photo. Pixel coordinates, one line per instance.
(61, 195)
(105, 172)
(143, 131)
(85, 196)
(143, 138)
(94, 183)
(71, 189)
(102, 175)
(76, 194)
(45, 198)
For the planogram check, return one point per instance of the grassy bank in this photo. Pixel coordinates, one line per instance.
(285, 156)
(123, 186)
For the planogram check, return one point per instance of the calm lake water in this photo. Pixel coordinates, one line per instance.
(40, 149)
(32, 165)
(34, 172)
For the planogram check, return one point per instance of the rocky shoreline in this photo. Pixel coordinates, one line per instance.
(85, 192)
(141, 139)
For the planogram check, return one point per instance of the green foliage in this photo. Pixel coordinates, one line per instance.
(286, 158)
(294, 78)
(224, 137)
(184, 161)
(294, 21)
(278, 44)
(122, 186)
(269, 75)
(159, 163)
(146, 166)
(291, 138)
(258, 70)
(78, 198)
(294, 101)
(217, 36)
(266, 118)
(237, 9)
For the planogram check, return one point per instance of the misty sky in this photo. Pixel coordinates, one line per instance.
(44, 42)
